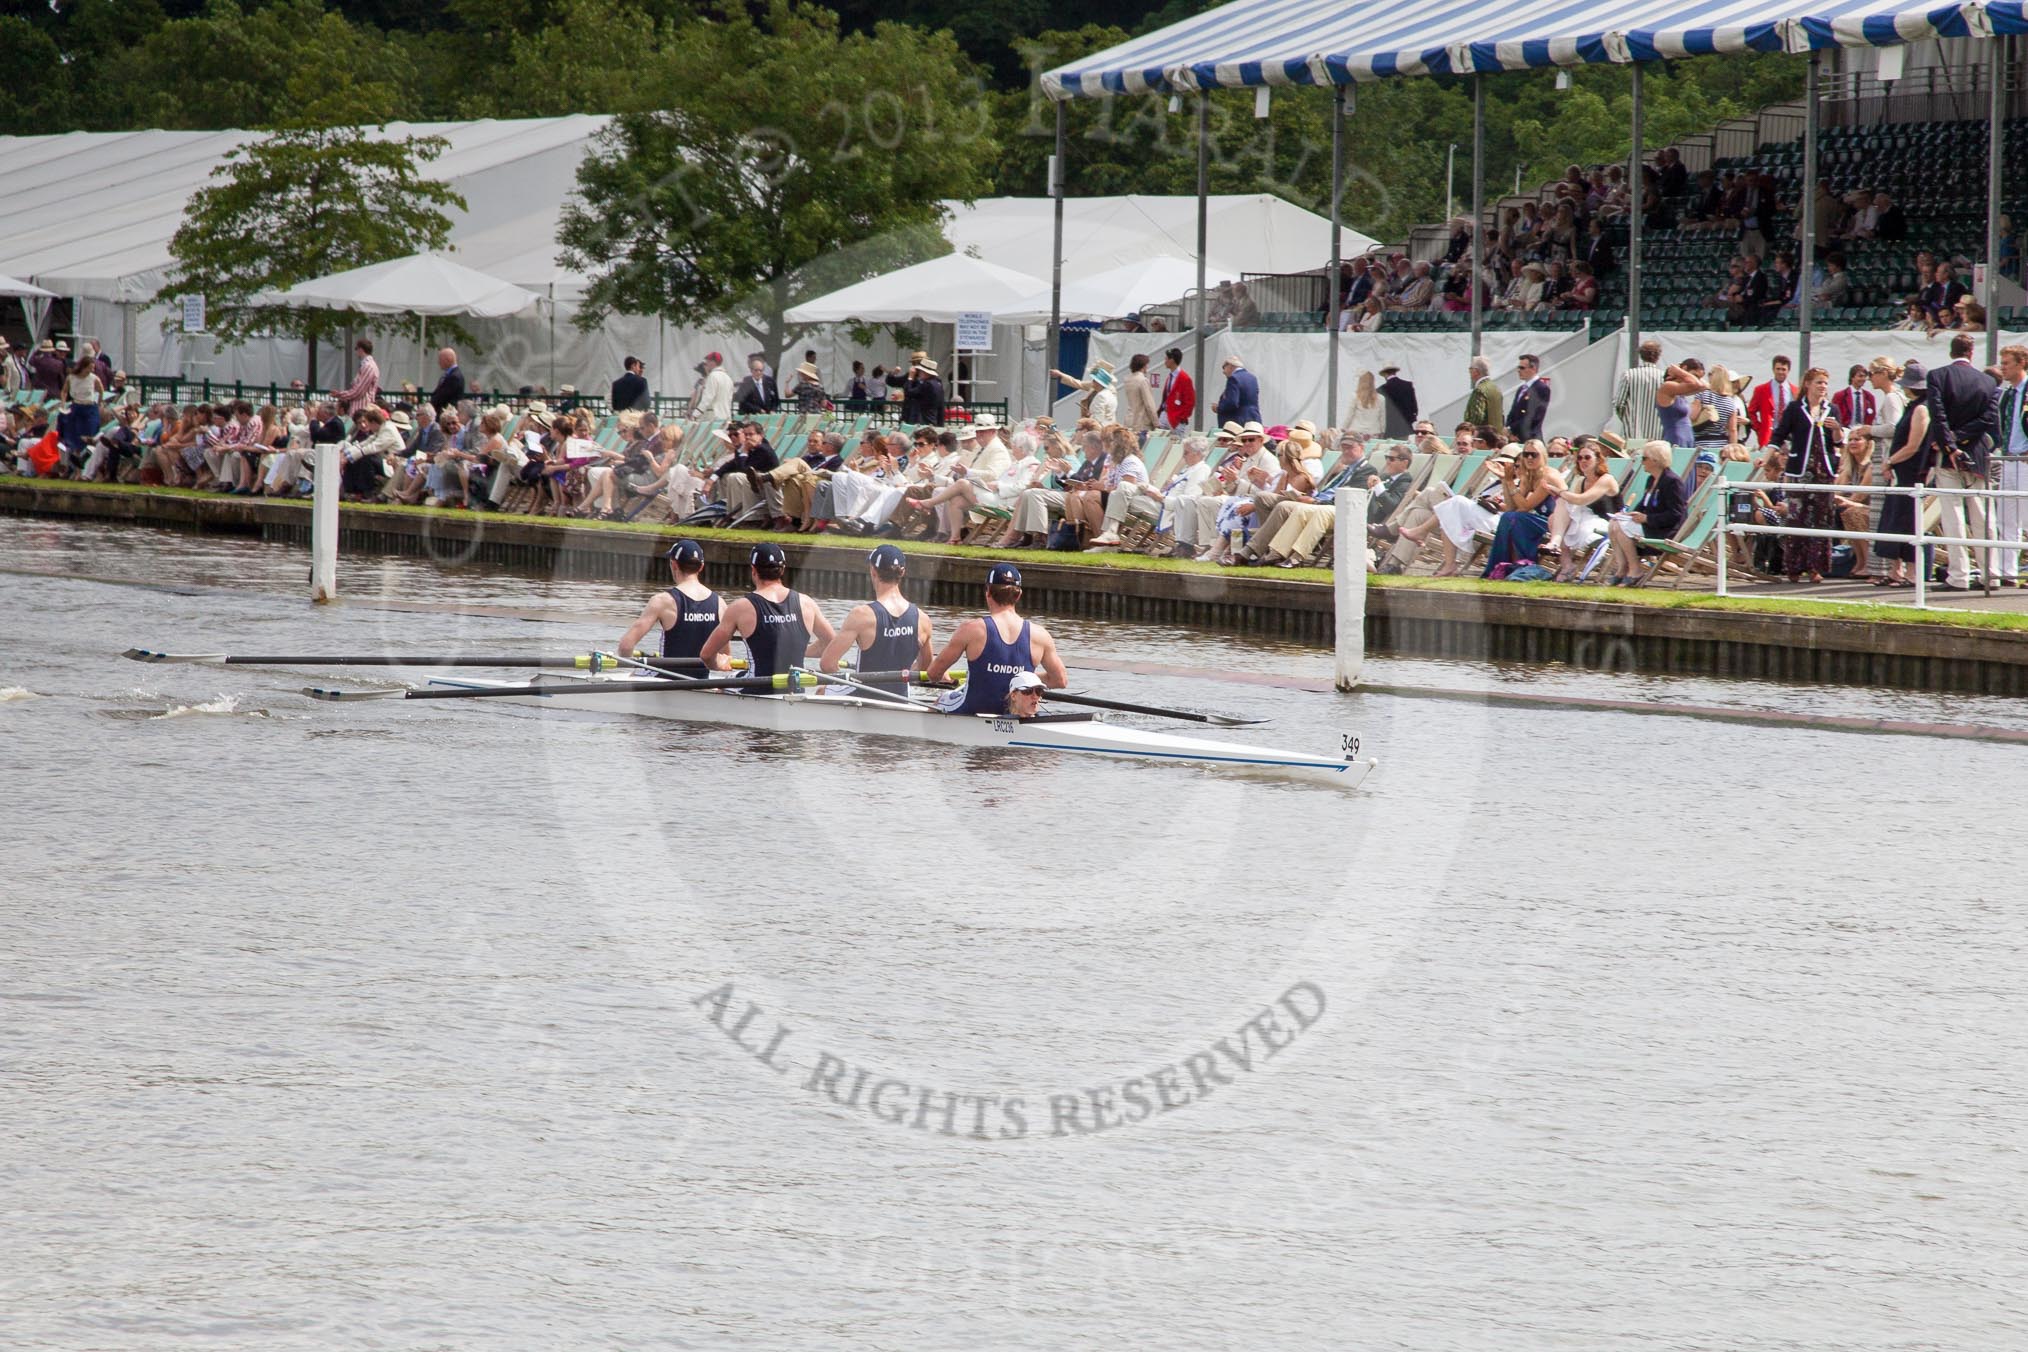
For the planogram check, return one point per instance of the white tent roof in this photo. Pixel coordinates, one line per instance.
(1117, 291)
(421, 284)
(1245, 233)
(937, 291)
(513, 174)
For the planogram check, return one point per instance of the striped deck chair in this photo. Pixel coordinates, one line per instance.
(1700, 522)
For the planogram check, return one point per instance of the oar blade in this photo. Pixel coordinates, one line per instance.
(331, 696)
(149, 655)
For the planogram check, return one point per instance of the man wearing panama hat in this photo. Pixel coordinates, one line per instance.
(922, 401)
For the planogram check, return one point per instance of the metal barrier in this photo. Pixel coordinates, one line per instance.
(1989, 548)
(177, 390)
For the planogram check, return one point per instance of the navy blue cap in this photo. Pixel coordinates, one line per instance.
(1004, 575)
(768, 554)
(888, 557)
(686, 551)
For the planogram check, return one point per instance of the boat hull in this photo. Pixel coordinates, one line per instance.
(917, 721)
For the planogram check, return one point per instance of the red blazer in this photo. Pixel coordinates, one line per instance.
(1760, 409)
(1180, 401)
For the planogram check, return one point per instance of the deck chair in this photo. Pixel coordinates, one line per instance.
(1700, 522)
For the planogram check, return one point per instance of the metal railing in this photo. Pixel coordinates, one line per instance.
(177, 390)
(1988, 547)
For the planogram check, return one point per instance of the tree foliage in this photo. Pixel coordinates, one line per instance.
(791, 158)
(301, 204)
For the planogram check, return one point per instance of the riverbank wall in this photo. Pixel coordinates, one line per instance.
(1506, 624)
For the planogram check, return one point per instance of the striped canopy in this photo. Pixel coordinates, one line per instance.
(1316, 42)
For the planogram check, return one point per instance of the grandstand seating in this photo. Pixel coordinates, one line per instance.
(1935, 172)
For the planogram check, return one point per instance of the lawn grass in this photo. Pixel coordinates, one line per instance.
(1141, 563)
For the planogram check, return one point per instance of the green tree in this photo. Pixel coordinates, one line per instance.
(289, 63)
(790, 159)
(301, 204)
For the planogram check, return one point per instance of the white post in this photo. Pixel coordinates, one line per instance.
(1349, 577)
(324, 525)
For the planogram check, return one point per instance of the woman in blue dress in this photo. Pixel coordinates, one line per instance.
(1531, 489)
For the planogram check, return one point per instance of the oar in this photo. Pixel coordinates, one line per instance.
(581, 662)
(782, 682)
(1092, 701)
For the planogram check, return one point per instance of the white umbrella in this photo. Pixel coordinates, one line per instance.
(14, 286)
(938, 291)
(420, 285)
(1124, 290)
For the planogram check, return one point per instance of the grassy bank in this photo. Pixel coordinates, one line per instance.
(1654, 599)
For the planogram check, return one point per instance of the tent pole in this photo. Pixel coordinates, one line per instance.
(1634, 195)
(1203, 232)
(1478, 213)
(552, 340)
(422, 344)
(1056, 178)
(1806, 268)
(1995, 147)
(1337, 245)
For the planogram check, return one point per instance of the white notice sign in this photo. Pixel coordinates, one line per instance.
(193, 312)
(975, 330)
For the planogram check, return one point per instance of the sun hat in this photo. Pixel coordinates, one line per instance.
(1231, 429)
(1613, 442)
(722, 435)
(986, 422)
(1914, 377)
(1253, 429)
(807, 370)
(1024, 680)
(926, 364)
(401, 419)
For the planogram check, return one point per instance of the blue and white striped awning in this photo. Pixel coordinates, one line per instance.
(1317, 42)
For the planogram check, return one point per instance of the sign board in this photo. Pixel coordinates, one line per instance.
(975, 330)
(193, 312)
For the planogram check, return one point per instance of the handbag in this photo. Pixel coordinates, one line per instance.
(1063, 538)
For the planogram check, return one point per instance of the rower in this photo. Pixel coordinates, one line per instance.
(686, 612)
(782, 628)
(995, 647)
(890, 632)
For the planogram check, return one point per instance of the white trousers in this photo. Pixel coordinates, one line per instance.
(1965, 519)
(2013, 516)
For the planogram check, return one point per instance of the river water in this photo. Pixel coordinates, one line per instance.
(447, 1026)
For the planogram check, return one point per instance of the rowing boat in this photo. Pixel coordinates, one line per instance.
(1073, 734)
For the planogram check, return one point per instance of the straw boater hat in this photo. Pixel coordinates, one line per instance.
(807, 371)
(1614, 443)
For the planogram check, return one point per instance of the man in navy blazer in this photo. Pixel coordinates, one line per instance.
(1239, 401)
(1530, 408)
(1964, 414)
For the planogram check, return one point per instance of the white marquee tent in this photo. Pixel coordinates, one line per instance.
(106, 247)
